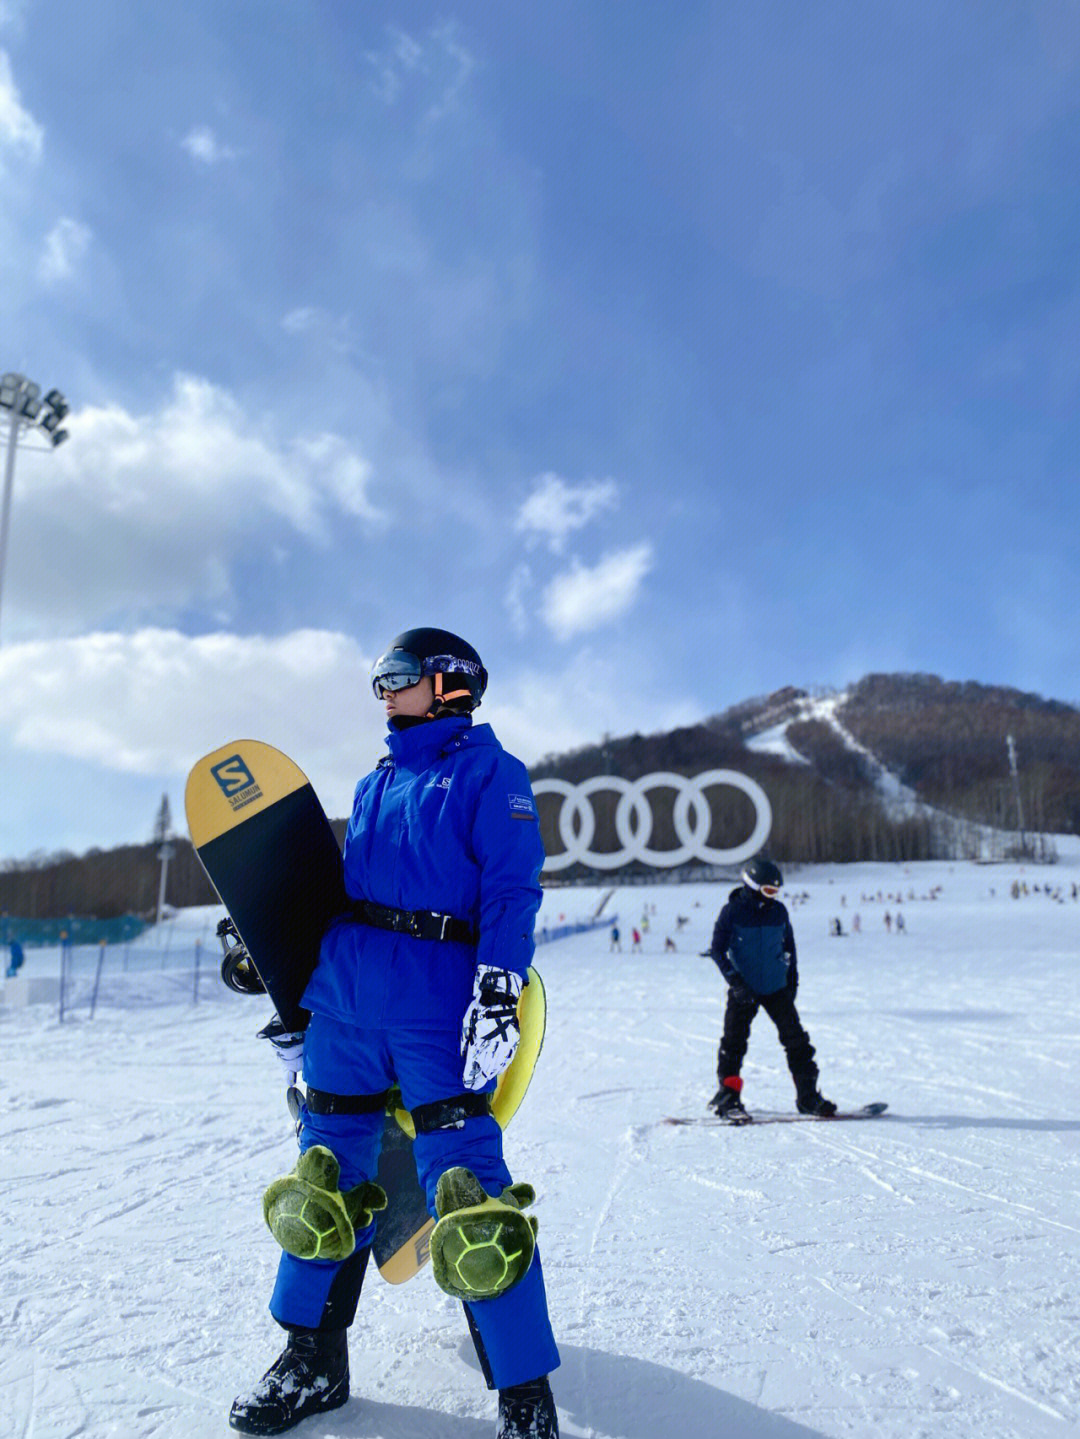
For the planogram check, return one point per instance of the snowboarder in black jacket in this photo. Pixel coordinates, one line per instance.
(753, 946)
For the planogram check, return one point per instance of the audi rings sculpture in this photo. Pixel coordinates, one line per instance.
(633, 805)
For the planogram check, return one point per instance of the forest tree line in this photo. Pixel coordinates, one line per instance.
(946, 741)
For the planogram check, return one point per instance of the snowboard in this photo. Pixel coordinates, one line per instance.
(270, 853)
(712, 1121)
(268, 849)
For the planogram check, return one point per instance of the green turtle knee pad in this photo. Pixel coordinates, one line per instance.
(481, 1246)
(310, 1217)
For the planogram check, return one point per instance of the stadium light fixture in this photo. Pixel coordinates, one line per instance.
(29, 418)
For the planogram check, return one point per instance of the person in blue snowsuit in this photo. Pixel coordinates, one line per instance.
(753, 946)
(417, 986)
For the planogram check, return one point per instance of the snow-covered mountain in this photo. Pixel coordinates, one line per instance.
(828, 709)
(903, 765)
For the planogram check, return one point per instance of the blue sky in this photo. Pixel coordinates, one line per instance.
(671, 354)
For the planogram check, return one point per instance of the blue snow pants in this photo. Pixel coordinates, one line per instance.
(513, 1329)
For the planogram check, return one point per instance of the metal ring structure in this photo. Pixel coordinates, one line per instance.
(634, 807)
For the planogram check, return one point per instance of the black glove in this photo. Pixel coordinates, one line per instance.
(741, 992)
(793, 980)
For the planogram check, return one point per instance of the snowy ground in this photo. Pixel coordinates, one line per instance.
(917, 1275)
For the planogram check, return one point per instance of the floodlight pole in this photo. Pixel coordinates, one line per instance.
(20, 397)
(9, 481)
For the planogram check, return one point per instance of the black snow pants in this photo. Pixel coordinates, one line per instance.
(780, 1007)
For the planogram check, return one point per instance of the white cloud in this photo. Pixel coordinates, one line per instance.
(12, 12)
(536, 712)
(516, 593)
(152, 702)
(555, 509)
(301, 320)
(462, 66)
(19, 131)
(141, 512)
(325, 328)
(65, 245)
(400, 56)
(203, 145)
(436, 69)
(583, 598)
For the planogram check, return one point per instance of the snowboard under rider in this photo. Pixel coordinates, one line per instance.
(753, 946)
(417, 986)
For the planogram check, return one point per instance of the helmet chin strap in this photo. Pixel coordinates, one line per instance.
(442, 699)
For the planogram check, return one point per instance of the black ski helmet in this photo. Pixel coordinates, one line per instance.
(761, 871)
(457, 671)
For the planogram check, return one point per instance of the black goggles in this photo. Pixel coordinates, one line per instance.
(397, 670)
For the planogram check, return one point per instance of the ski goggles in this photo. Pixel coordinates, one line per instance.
(397, 670)
(770, 891)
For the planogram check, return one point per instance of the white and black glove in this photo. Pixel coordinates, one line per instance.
(287, 1044)
(490, 1031)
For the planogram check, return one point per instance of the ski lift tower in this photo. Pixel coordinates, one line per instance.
(163, 838)
(1014, 771)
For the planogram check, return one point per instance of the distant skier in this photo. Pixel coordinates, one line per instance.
(753, 946)
(418, 985)
(616, 942)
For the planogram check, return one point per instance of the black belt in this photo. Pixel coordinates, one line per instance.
(419, 923)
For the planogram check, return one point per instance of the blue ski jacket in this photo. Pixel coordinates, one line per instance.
(446, 822)
(753, 942)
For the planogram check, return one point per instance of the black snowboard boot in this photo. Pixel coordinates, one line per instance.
(727, 1103)
(310, 1375)
(811, 1101)
(527, 1411)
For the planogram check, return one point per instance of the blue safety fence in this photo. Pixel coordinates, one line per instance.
(546, 933)
(70, 929)
(136, 976)
(183, 969)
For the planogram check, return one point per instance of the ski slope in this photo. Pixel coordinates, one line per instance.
(913, 1276)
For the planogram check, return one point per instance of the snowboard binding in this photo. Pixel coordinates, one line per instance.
(481, 1246)
(309, 1216)
(237, 971)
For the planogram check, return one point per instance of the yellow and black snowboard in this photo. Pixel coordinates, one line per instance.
(270, 853)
